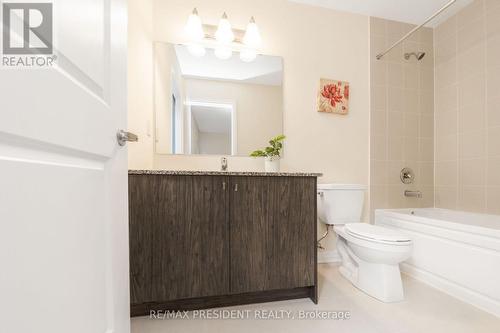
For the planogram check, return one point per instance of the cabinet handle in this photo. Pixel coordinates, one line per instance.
(235, 187)
(224, 186)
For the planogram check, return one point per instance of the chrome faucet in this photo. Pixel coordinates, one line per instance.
(223, 164)
(413, 194)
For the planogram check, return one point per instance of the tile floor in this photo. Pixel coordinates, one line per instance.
(424, 310)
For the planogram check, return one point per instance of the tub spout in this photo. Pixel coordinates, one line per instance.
(413, 194)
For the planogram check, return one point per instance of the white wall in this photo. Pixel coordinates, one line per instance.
(315, 43)
(140, 82)
(213, 143)
(164, 58)
(168, 81)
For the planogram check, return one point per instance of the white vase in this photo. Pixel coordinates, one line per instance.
(272, 164)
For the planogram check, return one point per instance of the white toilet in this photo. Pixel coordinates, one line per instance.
(370, 254)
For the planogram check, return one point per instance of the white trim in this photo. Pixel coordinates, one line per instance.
(325, 257)
(211, 104)
(234, 131)
(188, 121)
(464, 294)
(231, 105)
(178, 112)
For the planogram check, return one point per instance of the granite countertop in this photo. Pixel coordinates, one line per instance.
(223, 173)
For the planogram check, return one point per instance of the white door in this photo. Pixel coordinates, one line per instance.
(63, 177)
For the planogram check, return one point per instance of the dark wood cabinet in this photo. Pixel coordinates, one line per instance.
(178, 237)
(201, 241)
(249, 215)
(271, 232)
(141, 218)
(292, 233)
(190, 238)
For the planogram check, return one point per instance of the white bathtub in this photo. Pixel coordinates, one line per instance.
(456, 252)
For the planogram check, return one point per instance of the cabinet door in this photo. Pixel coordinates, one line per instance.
(292, 233)
(272, 233)
(250, 205)
(141, 217)
(190, 242)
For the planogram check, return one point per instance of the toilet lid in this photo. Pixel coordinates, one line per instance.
(375, 232)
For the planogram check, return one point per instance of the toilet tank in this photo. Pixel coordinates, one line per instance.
(340, 203)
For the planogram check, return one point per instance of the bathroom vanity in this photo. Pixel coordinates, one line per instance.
(211, 239)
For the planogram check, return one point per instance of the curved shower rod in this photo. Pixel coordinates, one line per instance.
(380, 55)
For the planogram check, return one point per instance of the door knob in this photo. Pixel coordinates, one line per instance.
(124, 137)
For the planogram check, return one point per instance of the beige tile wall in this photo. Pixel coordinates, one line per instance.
(402, 116)
(467, 90)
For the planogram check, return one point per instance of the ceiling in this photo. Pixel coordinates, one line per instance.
(409, 11)
(266, 70)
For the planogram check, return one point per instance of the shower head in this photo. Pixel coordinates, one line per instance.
(418, 55)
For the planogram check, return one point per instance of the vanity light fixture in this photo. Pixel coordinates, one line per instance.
(224, 33)
(195, 34)
(194, 28)
(222, 38)
(252, 41)
(252, 37)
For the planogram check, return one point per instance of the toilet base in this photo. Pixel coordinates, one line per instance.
(380, 281)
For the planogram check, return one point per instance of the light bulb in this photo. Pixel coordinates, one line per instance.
(248, 55)
(223, 52)
(252, 36)
(196, 50)
(224, 33)
(194, 28)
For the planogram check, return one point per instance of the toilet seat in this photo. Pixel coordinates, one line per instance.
(376, 234)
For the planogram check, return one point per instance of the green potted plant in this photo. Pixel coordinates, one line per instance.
(272, 154)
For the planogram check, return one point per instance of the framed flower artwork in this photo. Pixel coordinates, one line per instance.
(333, 96)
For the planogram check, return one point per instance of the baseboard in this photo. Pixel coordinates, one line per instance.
(462, 293)
(190, 304)
(326, 257)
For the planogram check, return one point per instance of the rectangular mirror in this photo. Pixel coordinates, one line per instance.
(208, 106)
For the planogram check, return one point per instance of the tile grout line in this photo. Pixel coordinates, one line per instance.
(486, 117)
(457, 177)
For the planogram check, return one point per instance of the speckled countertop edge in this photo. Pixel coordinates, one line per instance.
(223, 173)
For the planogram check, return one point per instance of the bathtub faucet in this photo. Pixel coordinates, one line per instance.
(413, 194)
